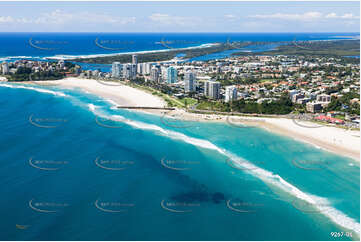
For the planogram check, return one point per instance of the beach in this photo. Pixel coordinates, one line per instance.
(333, 139)
(337, 140)
(119, 94)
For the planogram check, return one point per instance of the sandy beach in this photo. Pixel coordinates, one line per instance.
(333, 139)
(337, 140)
(122, 95)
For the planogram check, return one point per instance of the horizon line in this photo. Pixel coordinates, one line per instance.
(184, 32)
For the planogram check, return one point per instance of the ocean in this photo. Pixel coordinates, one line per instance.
(73, 167)
(72, 45)
(56, 46)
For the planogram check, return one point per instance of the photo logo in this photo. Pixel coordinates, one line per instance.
(301, 44)
(113, 207)
(310, 164)
(175, 43)
(22, 227)
(46, 122)
(95, 66)
(229, 43)
(109, 123)
(111, 83)
(47, 165)
(46, 207)
(179, 207)
(238, 122)
(112, 44)
(114, 165)
(305, 121)
(243, 207)
(46, 44)
(176, 120)
(179, 165)
(307, 207)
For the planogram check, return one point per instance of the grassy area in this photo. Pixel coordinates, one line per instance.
(342, 117)
(187, 101)
(172, 102)
(209, 105)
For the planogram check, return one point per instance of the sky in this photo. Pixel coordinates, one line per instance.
(180, 16)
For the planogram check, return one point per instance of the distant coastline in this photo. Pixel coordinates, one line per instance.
(206, 45)
(86, 49)
(65, 57)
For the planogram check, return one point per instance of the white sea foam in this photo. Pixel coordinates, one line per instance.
(176, 135)
(66, 57)
(55, 93)
(91, 107)
(322, 204)
(11, 58)
(118, 118)
(111, 102)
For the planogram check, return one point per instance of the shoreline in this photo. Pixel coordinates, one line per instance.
(332, 139)
(72, 57)
(86, 56)
(338, 141)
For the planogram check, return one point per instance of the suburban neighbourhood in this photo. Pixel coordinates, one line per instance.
(322, 89)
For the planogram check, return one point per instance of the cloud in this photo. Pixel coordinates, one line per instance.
(345, 16)
(230, 17)
(331, 15)
(284, 16)
(167, 19)
(60, 17)
(6, 19)
(307, 16)
(9, 19)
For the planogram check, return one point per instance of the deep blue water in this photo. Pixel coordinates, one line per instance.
(53, 46)
(74, 168)
(66, 45)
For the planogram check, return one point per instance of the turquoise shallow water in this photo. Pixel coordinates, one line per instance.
(74, 168)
